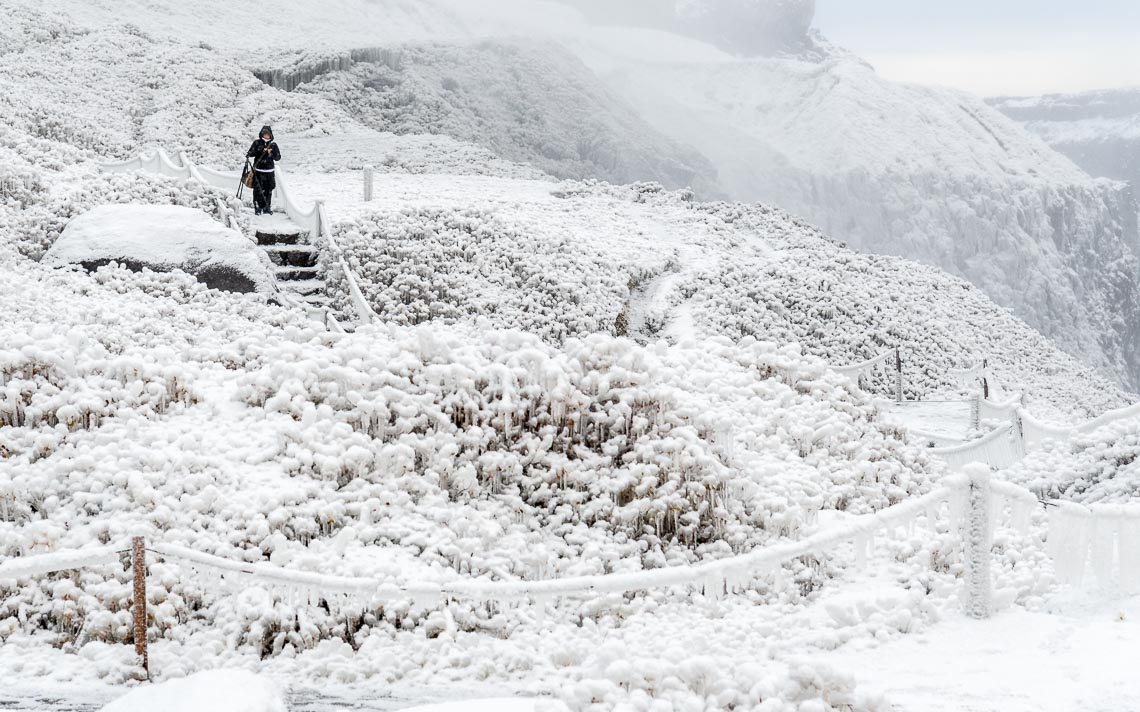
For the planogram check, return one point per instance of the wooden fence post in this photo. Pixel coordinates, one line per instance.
(979, 541)
(898, 375)
(369, 179)
(138, 602)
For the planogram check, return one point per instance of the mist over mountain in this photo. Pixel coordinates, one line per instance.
(1098, 130)
(744, 27)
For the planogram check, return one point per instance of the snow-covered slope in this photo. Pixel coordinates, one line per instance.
(1099, 131)
(497, 426)
(529, 102)
(563, 261)
(929, 174)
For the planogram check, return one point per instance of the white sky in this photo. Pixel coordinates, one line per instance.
(992, 47)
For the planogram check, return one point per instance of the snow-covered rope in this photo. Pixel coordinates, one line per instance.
(999, 410)
(712, 576)
(364, 312)
(21, 567)
(1001, 448)
(866, 368)
(1105, 537)
(967, 376)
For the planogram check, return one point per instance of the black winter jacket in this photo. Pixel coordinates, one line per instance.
(265, 153)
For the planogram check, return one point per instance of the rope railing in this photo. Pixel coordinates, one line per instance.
(865, 368)
(1107, 537)
(856, 372)
(364, 312)
(722, 574)
(1001, 448)
(1026, 433)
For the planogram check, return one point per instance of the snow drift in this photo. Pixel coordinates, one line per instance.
(218, 691)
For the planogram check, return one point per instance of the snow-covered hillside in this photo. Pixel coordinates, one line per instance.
(929, 174)
(527, 102)
(1099, 131)
(568, 378)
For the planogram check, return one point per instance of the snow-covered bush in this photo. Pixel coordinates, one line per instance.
(675, 679)
(585, 257)
(422, 265)
(1098, 467)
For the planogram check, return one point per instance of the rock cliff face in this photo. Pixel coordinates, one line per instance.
(1099, 130)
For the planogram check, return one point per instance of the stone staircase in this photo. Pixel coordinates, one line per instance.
(295, 262)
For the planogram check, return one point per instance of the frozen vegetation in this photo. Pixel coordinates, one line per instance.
(571, 377)
(1100, 467)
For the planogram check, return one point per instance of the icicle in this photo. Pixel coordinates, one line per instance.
(540, 603)
(1103, 548)
(1020, 514)
(1129, 553)
(860, 544)
(714, 586)
(1068, 545)
(997, 508)
(958, 507)
(932, 512)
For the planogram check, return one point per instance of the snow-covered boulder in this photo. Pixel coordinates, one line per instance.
(164, 238)
(217, 691)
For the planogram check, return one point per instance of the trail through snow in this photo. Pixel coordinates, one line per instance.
(1078, 654)
(655, 307)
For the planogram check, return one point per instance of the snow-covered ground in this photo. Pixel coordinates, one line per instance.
(571, 378)
(1075, 654)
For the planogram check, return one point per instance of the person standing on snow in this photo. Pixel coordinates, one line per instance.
(265, 155)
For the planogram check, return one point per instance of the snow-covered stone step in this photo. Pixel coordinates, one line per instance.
(296, 274)
(267, 239)
(292, 255)
(304, 286)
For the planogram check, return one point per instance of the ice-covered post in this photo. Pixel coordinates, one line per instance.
(369, 178)
(898, 375)
(986, 379)
(979, 541)
(138, 603)
(975, 412)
